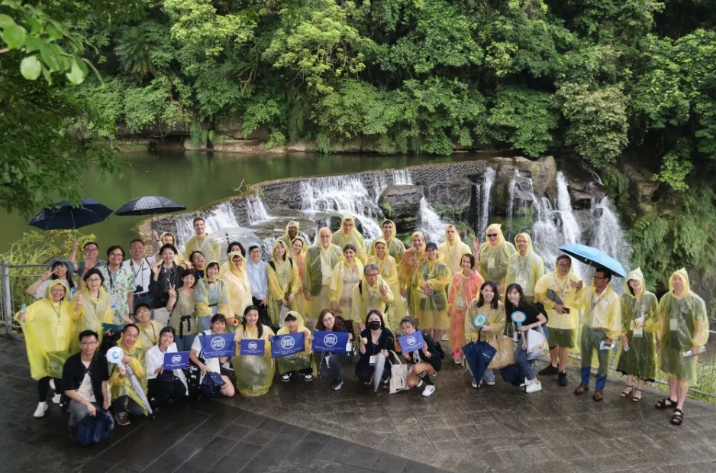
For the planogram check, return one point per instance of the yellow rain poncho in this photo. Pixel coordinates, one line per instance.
(452, 253)
(431, 307)
(301, 360)
(494, 258)
(254, 373)
(639, 325)
(122, 386)
(317, 273)
(49, 329)
(179, 257)
(367, 298)
(345, 277)
(149, 336)
(496, 319)
(524, 270)
(353, 238)
(562, 327)
(299, 301)
(237, 282)
(408, 269)
(211, 250)
(389, 272)
(683, 325)
(396, 248)
(602, 319)
(287, 240)
(212, 298)
(283, 280)
(94, 313)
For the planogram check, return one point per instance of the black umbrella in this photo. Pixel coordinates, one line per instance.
(150, 205)
(66, 217)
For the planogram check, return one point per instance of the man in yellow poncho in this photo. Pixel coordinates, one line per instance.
(287, 238)
(452, 249)
(125, 399)
(49, 327)
(388, 270)
(321, 258)
(683, 332)
(211, 252)
(371, 293)
(555, 291)
(348, 235)
(301, 361)
(431, 280)
(409, 267)
(396, 249)
(494, 256)
(601, 325)
(524, 267)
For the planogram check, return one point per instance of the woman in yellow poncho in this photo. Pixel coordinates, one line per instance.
(301, 361)
(212, 297)
(488, 303)
(464, 287)
(348, 235)
(298, 255)
(321, 258)
(388, 267)
(283, 281)
(96, 308)
(431, 281)
(346, 275)
(452, 249)
(254, 373)
(226, 265)
(524, 267)
(237, 281)
(292, 232)
(494, 255)
(639, 327)
(396, 248)
(371, 293)
(683, 328)
(125, 400)
(409, 268)
(49, 326)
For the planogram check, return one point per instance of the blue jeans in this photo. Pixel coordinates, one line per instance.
(489, 376)
(521, 359)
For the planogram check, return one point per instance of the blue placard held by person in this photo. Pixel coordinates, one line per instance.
(253, 347)
(284, 345)
(330, 342)
(411, 342)
(176, 361)
(218, 345)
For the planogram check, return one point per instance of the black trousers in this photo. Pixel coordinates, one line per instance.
(160, 392)
(263, 314)
(43, 387)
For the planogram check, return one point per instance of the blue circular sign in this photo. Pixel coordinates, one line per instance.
(519, 317)
(480, 320)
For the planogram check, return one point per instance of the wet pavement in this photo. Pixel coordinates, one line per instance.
(306, 427)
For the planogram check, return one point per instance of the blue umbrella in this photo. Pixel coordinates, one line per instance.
(66, 217)
(594, 257)
(150, 205)
(478, 356)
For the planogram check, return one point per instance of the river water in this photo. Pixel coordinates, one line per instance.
(198, 179)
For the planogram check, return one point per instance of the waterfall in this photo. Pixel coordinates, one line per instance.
(570, 227)
(431, 224)
(222, 216)
(255, 209)
(487, 183)
(608, 235)
(402, 177)
(511, 198)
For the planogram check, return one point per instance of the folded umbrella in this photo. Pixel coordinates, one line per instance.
(150, 205)
(594, 257)
(66, 217)
(478, 356)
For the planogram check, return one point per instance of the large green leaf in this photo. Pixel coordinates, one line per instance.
(6, 21)
(76, 76)
(30, 67)
(14, 36)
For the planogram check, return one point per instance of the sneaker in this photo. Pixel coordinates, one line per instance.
(122, 418)
(446, 336)
(457, 359)
(337, 385)
(41, 409)
(474, 384)
(562, 378)
(549, 370)
(429, 390)
(286, 377)
(52, 384)
(420, 384)
(308, 378)
(490, 382)
(533, 386)
(56, 398)
(525, 383)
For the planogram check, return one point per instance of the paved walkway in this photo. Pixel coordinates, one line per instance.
(299, 427)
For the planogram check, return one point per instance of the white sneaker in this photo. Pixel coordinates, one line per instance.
(52, 384)
(420, 384)
(526, 382)
(429, 390)
(446, 336)
(56, 398)
(474, 384)
(41, 409)
(457, 359)
(533, 386)
(490, 383)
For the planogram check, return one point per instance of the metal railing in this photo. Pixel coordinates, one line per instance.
(14, 281)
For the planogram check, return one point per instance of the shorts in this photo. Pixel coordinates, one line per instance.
(561, 337)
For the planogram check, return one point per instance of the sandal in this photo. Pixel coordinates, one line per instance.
(634, 398)
(678, 417)
(665, 403)
(627, 392)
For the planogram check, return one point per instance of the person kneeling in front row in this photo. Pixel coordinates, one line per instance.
(425, 362)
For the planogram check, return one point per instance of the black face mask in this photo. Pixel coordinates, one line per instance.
(374, 324)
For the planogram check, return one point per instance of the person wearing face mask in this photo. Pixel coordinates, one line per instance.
(371, 293)
(283, 282)
(238, 283)
(301, 362)
(213, 296)
(556, 293)
(409, 269)
(321, 258)
(149, 330)
(494, 255)
(524, 267)
(349, 235)
(140, 267)
(535, 316)
(375, 341)
(464, 287)
(330, 365)
(638, 338)
(292, 232)
(388, 271)
(431, 281)
(119, 284)
(125, 400)
(683, 328)
(489, 304)
(254, 373)
(425, 362)
(452, 249)
(345, 276)
(196, 355)
(163, 385)
(165, 275)
(59, 270)
(49, 326)
(396, 248)
(182, 308)
(601, 322)
(96, 307)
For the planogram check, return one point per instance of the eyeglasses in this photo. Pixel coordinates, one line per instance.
(491, 235)
(87, 344)
(371, 275)
(94, 280)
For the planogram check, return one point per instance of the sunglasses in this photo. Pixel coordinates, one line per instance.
(492, 235)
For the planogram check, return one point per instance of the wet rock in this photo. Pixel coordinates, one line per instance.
(451, 198)
(401, 203)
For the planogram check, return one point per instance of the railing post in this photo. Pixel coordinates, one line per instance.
(6, 296)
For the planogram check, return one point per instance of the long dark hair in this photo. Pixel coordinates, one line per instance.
(376, 312)
(495, 300)
(259, 325)
(70, 282)
(337, 325)
(509, 306)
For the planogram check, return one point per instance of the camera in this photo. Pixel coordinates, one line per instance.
(139, 289)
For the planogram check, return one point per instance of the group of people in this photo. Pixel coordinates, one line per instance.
(150, 305)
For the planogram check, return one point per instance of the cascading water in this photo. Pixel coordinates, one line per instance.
(608, 235)
(570, 227)
(221, 217)
(488, 181)
(431, 225)
(255, 209)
